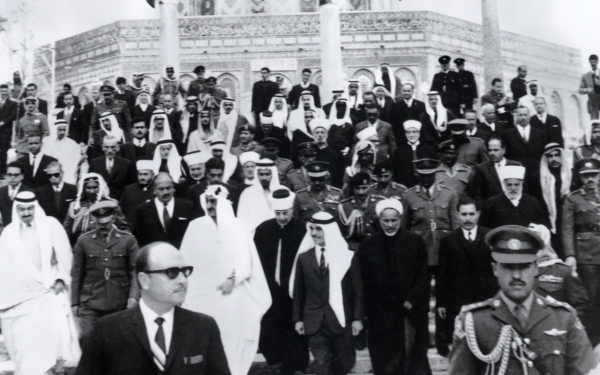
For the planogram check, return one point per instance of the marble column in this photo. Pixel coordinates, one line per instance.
(169, 35)
(491, 42)
(332, 73)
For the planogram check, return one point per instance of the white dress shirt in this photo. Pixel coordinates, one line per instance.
(414, 145)
(492, 125)
(143, 106)
(12, 192)
(58, 188)
(374, 125)
(151, 328)
(408, 102)
(110, 163)
(473, 233)
(498, 165)
(318, 253)
(139, 142)
(542, 117)
(381, 102)
(160, 207)
(472, 132)
(524, 131)
(38, 158)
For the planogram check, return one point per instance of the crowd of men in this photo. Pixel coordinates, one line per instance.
(304, 227)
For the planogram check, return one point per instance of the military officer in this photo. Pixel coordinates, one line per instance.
(271, 151)
(118, 108)
(317, 196)
(472, 151)
(297, 178)
(103, 273)
(468, 87)
(519, 331)
(447, 84)
(247, 142)
(385, 186)
(581, 238)
(430, 209)
(451, 173)
(357, 213)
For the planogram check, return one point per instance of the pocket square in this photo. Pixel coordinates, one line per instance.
(192, 360)
(182, 218)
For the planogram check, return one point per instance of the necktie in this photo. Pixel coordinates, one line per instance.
(435, 117)
(109, 167)
(33, 161)
(160, 335)
(13, 192)
(322, 265)
(524, 135)
(520, 315)
(166, 217)
(469, 235)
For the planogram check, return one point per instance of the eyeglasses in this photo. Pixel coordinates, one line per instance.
(53, 175)
(13, 174)
(173, 272)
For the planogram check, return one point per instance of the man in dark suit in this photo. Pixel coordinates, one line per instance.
(87, 113)
(143, 109)
(34, 163)
(42, 106)
(465, 272)
(590, 86)
(139, 192)
(485, 181)
(165, 218)
(549, 124)
(387, 141)
(384, 102)
(14, 176)
(138, 148)
(490, 121)
(328, 311)
(294, 95)
(404, 155)
(473, 130)
(8, 114)
(124, 93)
(262, 93)
(56, 197)
(77, 131)
(405, 109)
(468, 86)
(524, 143)
(119, 343)
(118, 172)
(518, 85)
(395, 278)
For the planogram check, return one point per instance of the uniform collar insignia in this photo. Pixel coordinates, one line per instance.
(555, 332)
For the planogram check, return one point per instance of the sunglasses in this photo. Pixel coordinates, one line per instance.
(173, 272)
(317, 179)
(53, 175)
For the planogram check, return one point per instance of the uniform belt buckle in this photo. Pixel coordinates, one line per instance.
(433, 226)
(107, 273)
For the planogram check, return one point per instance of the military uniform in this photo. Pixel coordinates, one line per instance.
(297, 179)
(431, 217)
(585, 152)
(456, 178)
(468, 88)
(447, 84)
(308, 202)
(370, 219)
(30, 123)
(251, 146)
(394, 190)
(103, 275)
(284, 166)
(118, 108)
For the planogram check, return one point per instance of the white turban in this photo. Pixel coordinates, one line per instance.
(388, 203)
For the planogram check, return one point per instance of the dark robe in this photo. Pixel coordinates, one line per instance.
(394, 271)
(402, 166)
(499, 210)
(279, 134)
(341, 136)
(279, 341)
(336, 164)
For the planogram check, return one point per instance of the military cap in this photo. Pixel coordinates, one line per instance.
(270, 142)
(246, 128)
(514, 244)
(593, 57)
(458, 125)
(30, 98)
(382, 167)
(211, 80)
(103, 211)
(105, 114)
(307, 148)
(359, 179)
(317, 169)
(191, 98)
(107, 88)
(459, 61)
(551, 146)
(447, 146)
(169, 67)
(444, 59)
(426, 166)
(587, 166)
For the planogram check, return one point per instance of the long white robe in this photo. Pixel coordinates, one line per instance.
(37, 324)
(68, 154)
(215, 252)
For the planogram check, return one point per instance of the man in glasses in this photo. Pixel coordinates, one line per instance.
(228, 282)
(103, 273)
(14, 177)
(56, 196)
(317, 196)
(157, 336)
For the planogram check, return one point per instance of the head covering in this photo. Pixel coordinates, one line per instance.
(459, 61)
(511, 171)
(103, 191)
(144, 92)
(194, 158)
(27, 198)
(266, 117)
(361, 147)
(319, 123)
(307, 148)
(458, 125)
(366, 133)
(412, 124)
(249, 156)
(228, 121)
(337, 255)
(254, 207)
(159, 113)
(588, 131)
(444, 59)
(282, 199)
(379, 79)
(230, 160)
(317, 169)
(547, 181)
(442, 114)
(115, 129)
(546, 256)
(384, 204)
(360, 179)
(103, 211)
(280, 116)
(426, 166)
(359, 93)
(379, 87)
(296, 121)
(513, 244)
(173, 161)
(333, 113)
(144, 165)
(587, 166)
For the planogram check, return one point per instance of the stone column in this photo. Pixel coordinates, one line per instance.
(332, 74)
(491, 41)
(169, 35)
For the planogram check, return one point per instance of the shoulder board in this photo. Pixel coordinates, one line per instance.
(294, 171)
(377, 196)
(346, 200)
(555, 303)
(475, 306)
(122, 231)
(574, 192)
(284, 159)
(468, 168)
(88, 233)
(333, 188)
(414, 188)
(445, 187)
(303, 190)
(397, 185)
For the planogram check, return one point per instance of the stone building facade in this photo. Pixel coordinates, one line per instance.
(234, 48)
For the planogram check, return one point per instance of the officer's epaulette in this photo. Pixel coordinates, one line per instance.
(397, 185)
(337, 190)
(444, 187)
(294, 171)
(303, 190)
(284, 159)
(465, 166)
(347, 200)
(89, 232)
(575, 191)
(475, 306)
(128, 232)
(414, 188)
(555, 303)
(377, 196)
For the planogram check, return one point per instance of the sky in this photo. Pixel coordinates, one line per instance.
(564, 22)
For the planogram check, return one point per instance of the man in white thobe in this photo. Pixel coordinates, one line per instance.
(65, 150)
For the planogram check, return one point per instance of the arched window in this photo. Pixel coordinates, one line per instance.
(185, 80)
(574, 119)
(84, 96)
(365, 78)
(406, 76)
(228, 83)
(556, 107)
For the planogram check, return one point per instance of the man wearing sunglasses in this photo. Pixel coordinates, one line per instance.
(317, 196)
(56, 196)
(157, 336)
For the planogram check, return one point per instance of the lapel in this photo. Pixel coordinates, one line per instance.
(114, 168)
(139, 329)
(176, 339)
(538, 312)
(502, 313)
(493, 174)
(174, 216)
(520, 137)
(313, 260)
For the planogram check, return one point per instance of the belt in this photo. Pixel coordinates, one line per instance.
(587, 228)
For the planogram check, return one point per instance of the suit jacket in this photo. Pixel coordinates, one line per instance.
(47, 200)
(311, 295)
(402, 166)
(78, 129)
(148, 227)
(387, 140)
(400, 112)
(521, 151)
(498, 211)
(484, 182)
(429, 133)
(296, 91)
(500, 127)
(137, 112)
(133, 196)
(6, 203)
(127, 96)
(133, 153)
(552, 128)
(87, 112)
(40, 178)
(384, 111)
(119, 344)
(122, 174)
(518, 87)
(465, 271)
(262, 93)
(587, 82)
(8, 114)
